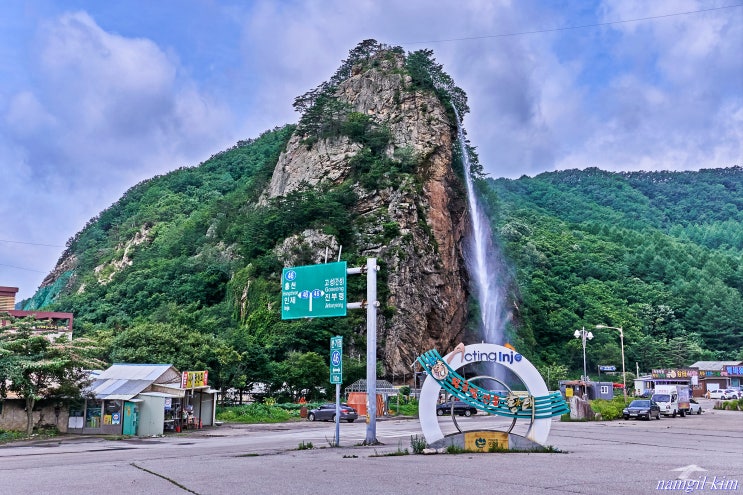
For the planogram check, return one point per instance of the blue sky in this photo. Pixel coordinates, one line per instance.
(97, 96)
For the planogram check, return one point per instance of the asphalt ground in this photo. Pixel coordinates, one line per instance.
(694, 454)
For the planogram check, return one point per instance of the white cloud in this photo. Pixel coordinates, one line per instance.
(109, 111)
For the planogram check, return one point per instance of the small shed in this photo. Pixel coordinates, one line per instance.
(142, 400)
(593, 390)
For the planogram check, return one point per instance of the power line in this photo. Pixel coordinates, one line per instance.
(30, 243)
(21, 268)
(609, 23)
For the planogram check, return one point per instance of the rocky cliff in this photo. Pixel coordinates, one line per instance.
(425, 274)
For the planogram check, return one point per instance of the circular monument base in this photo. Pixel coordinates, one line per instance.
(489, 441)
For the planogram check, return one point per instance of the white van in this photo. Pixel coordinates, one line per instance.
(672, 399)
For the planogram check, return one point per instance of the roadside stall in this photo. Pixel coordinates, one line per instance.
(144, 400)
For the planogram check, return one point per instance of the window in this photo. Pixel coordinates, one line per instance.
(93, 414)
(112, 415)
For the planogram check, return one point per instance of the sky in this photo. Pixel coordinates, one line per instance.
(97, 96)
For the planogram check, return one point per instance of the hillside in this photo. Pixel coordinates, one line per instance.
(185, 267)
(657, 253)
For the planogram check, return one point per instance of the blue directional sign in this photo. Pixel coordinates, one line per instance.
(336, 359)
(313, 291)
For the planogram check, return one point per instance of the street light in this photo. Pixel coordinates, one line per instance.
(621, 338)
(584, 335)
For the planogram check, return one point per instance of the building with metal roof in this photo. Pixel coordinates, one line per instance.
(144, 400)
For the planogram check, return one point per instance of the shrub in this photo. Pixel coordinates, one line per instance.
(608, 409)
(406, 408)
(417, 444)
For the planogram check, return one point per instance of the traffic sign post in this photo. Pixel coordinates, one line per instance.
(336, 376)
(320, 291)
(313, 291)
(336, 360)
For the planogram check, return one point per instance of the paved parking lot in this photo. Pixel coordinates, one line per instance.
(617, 457)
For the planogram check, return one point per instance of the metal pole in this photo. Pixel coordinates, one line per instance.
(585, 373)
(371, 351)
(337, 414)
(624, 374)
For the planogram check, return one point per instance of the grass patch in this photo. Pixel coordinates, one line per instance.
(7, 436)
(253, 413)
(456, 449)
(305, 446)
(400, 451)
(11, 436)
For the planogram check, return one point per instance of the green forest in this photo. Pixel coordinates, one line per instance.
(658, 254)
(182, 268)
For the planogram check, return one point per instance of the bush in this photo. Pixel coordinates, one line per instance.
(418, 444)
(609, 409)
(406, 407)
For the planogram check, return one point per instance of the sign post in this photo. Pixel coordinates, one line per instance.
(336, 376)
(318, 291)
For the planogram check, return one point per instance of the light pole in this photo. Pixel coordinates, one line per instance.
(621, 339)
(582, 334)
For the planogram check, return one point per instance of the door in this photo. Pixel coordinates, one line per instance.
(131, 418)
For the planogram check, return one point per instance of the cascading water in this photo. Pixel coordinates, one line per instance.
(482, 258)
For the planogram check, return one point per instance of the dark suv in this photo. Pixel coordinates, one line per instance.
(460, 408)
(326, 412)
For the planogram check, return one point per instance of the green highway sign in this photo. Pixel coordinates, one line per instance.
(313, 291)
(336, 359)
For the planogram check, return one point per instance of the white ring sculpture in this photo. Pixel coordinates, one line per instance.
(538, 430)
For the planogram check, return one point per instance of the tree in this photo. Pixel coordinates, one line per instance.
(36, 365)
(553, 373)
(302, 373)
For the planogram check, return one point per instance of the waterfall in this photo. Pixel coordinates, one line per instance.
(483, 260)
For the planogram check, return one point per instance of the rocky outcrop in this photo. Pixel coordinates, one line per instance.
(106, 271)
(426, 213)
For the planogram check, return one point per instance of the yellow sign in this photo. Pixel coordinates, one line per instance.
(568, 392)
(485, 441)
(193, 379)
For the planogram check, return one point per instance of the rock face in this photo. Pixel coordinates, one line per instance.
(424, 269)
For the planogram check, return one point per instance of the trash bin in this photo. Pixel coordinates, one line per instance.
(303, 412)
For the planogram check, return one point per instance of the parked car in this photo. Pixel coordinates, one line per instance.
(326, 412)
(731, 393)
(641, 408)
(716, 394)
(460, 408)
(694, 407)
